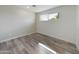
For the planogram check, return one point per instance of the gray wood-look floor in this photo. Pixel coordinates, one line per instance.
(30, 45)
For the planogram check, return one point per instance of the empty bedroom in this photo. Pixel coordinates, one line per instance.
(39, 29)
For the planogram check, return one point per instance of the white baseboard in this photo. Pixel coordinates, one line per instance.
(56, 37)
(15, 37)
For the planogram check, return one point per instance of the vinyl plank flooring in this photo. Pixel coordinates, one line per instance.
(30, 45)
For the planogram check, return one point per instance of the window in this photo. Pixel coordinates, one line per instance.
(53, 16)
(48, 17)
(44, 17)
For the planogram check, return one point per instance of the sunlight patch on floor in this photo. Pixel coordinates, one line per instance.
(40, 44)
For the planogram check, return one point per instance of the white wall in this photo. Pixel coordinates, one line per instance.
(77, 28)
(15, 22)
(64, 28)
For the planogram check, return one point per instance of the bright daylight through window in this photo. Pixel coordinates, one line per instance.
(47, 17)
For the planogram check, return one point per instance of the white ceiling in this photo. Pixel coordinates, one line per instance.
(38, 8)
